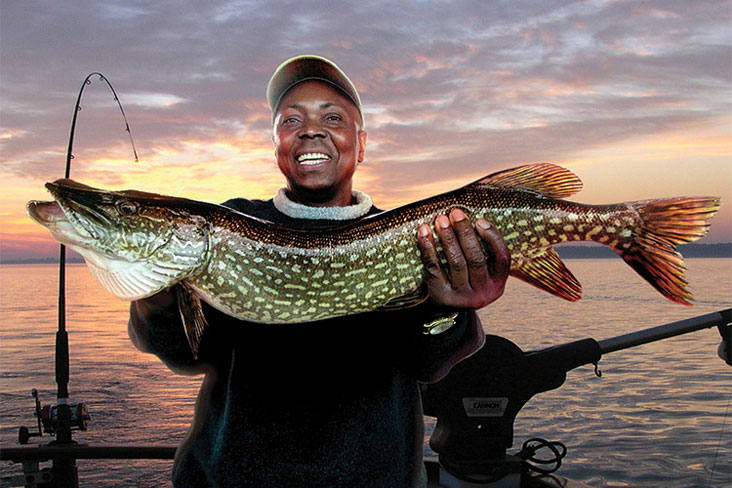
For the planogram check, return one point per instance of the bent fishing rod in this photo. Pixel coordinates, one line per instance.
(63, 411)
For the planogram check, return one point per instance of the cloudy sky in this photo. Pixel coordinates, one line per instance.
(633, 96)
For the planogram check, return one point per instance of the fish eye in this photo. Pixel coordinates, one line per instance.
(126, 208)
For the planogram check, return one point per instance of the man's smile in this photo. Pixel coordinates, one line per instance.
(312, 158)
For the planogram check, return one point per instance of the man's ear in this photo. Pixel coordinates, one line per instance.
(274, 145)
(361, 145)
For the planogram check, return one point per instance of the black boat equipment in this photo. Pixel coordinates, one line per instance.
(477, 402)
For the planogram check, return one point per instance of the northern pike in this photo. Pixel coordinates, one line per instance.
(137, 244)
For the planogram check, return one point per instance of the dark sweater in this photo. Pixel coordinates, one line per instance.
(333, 403)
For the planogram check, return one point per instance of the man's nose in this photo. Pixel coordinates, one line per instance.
(312, 129)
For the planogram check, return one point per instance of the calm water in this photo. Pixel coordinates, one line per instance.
(657, 417)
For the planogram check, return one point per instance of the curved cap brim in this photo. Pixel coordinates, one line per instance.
(309, 67)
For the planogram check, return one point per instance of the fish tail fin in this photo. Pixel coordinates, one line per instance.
(191, 313)
(664, 224)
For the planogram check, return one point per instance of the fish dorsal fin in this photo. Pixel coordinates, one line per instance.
(546, 271)
(548, 179)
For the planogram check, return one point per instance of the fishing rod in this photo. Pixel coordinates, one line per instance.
(62, 418)
(62, 342)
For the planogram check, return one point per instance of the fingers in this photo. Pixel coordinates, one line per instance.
(457, 275)
(499, 261)
(466, 259)
(470, 279)
(436, 276)
(457, 265)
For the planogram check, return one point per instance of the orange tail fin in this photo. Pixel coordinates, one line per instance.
(666, 223)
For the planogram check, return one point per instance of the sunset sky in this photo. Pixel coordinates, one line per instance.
(635, 97)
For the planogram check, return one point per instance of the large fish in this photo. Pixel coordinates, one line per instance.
(137, 244)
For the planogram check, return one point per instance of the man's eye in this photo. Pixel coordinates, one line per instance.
(334, 117)
(289, 120)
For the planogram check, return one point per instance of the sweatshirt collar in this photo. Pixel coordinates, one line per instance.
(299, 211)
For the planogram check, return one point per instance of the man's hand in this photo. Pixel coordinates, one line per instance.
(142, 310)
(471, 280)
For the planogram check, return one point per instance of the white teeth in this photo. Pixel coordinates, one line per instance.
(312, 158)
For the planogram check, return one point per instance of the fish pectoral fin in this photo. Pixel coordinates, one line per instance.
(126, 280)
(547, 272)
(406, 301)
(191, 313)
(548, 179)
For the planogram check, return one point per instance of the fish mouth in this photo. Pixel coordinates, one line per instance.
(45, 213)
(52, 216)
(81, 204)
(72, 218)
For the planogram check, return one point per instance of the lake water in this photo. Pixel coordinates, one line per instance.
(657, 417)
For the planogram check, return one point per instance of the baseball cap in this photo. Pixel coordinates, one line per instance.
(309, 67)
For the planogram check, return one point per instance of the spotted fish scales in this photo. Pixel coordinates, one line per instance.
(138, 244)
(276, 283)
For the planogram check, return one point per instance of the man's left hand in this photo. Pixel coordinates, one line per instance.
(472, 279)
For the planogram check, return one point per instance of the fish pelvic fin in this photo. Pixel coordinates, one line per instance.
(547, 179)
(407, 301)
(191, 313)
(665, 224)
(547, 272)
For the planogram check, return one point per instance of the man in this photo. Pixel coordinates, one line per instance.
(335, 402)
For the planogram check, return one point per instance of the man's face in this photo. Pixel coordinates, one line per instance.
(318, 141)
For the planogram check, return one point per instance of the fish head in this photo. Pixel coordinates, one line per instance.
(121, 234)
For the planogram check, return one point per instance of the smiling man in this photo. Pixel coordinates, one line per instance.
(336, 402)
(318, 140)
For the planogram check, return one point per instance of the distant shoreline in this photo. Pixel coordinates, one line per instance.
(719, 250)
